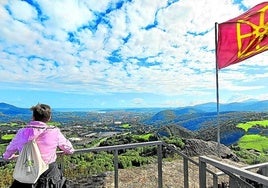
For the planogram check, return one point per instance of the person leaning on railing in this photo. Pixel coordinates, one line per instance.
(48, 139)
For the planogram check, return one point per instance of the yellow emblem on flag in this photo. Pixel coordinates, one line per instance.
(251, 33)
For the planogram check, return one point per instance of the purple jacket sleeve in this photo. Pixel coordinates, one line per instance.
(15, 145)
(64, 144)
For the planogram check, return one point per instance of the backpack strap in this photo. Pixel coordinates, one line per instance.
(37, 127)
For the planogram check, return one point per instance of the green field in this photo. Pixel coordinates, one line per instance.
(256, 142)
(7, 136)
(248, 125)
(253, 141)
(144, 137)
(126, 126)
(12, 124)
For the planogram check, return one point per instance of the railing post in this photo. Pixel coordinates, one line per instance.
(185, 172)
(202, 173)
(159, 154)
(264, 171)
(215, 181)
(116, 168)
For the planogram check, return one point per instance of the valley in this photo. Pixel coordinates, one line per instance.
(186, 129)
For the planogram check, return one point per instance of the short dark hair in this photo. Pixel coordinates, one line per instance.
(41, 112)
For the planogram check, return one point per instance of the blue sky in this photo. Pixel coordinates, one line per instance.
(117, 54)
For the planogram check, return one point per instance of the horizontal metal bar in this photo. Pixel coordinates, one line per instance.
(118, 147)
(112, 148)
(235, 170)
(247, 168)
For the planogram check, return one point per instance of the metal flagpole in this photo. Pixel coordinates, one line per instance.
(217, 88)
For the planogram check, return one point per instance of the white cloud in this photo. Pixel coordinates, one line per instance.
(160, 48)
(22, 11)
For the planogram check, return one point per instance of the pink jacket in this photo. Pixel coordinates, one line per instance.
(48, 141)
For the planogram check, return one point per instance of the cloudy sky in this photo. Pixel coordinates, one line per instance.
(121, 53)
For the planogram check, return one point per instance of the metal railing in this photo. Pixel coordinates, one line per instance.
(236, 174)
(186, 160)
(159, 145)
(115, 150)
(226, 169)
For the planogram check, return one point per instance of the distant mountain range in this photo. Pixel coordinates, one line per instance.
(8, 109)
(194, 117)
(247, 106)
(200, 118)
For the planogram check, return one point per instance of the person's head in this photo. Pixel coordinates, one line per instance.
(41, 112)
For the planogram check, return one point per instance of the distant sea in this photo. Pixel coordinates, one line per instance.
(103, 110)
(78, 110)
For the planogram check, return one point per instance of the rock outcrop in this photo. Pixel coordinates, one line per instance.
(197, 147)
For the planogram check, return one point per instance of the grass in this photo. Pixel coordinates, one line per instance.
(4, 124)
(144, 137)
(12, 124)
(248, 125)
(52, 123)
(7, 136)
(126, 126)
(254, 141)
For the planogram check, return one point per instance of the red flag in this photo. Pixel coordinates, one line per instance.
(243, 37)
